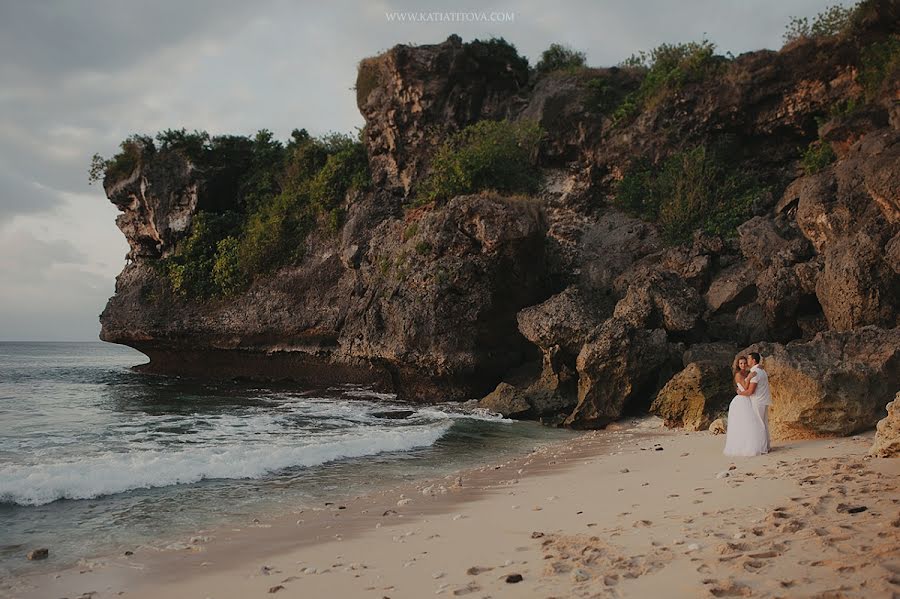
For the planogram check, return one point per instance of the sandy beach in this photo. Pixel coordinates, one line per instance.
(636, 512)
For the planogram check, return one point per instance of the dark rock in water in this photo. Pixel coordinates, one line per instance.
(394, 414)
(37, 554)
(507, 401)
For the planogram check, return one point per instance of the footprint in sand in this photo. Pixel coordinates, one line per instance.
(728, 588)
(469, 588)
(754, 565)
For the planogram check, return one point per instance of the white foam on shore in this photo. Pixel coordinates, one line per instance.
(110, 473)
(447, 411)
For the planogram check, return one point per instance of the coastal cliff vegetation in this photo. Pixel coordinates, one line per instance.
(529, 234)
(268, 196)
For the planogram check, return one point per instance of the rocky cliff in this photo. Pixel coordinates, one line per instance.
(567, 306)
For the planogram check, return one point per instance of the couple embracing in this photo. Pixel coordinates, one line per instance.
(748, 419)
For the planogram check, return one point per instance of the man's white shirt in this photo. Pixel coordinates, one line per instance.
(762, 393)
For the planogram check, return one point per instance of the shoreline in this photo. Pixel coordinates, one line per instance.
(604, 514)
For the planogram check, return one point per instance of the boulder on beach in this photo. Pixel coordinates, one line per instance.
(838, 383)
(887, 432)
(692, 398)
(619, 364)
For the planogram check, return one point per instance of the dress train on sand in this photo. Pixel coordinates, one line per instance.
(746, 433)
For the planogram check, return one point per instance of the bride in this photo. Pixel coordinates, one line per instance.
(746, 434)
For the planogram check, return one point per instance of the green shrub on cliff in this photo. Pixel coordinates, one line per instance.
(558, 57)
(274, 235)
(667, 67)
(228, 275)
(261, 199)
(817, 156)
(495, 155)
(836, 20)
(830, 21)
(691, 190)
(191, 268)
(880, 63)
(346, 169)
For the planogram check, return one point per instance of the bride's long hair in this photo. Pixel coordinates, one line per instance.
(737, 363)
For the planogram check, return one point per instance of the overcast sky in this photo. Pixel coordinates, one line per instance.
(80, 75)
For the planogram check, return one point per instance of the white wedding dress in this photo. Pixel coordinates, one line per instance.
(746, 434)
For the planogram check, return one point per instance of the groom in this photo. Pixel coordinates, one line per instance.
(759, 392)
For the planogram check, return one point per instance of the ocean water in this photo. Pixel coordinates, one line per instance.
(96, 458)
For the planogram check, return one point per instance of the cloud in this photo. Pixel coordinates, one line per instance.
(47, 294)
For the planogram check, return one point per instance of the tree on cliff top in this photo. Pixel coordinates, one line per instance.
(558, 56)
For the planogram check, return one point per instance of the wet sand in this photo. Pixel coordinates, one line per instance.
(638, 511)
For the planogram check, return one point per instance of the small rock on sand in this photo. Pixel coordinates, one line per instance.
(513, 578)
(723, 474)
(580, 575)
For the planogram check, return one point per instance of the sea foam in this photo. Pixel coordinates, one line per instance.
(110, 473)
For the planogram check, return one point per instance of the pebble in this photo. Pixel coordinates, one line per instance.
(403, 502)
(693, 547)
(723, 474)
(513, 578)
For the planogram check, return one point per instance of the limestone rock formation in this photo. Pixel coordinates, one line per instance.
(693, 397)
(838, 383)
(561, 306)
(413, 97)
(850, 213)
(507, 401)
(619, 364)
(887, 435)
(660, 299)
(431, 314)
(157, 200)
